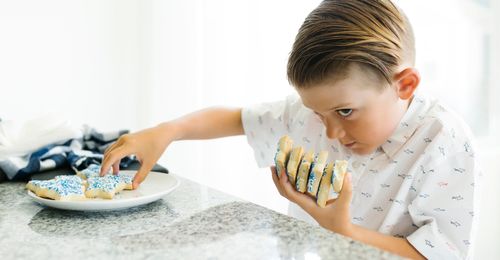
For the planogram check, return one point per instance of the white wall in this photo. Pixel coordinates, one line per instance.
(454, 40)
(132, 64)
(75, 58)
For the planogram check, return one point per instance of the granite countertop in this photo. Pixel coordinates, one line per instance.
(192, 222)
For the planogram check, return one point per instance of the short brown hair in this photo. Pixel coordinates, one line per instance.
(374, 34)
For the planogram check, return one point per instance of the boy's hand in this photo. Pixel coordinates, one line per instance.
(335, 216)
(147, 145)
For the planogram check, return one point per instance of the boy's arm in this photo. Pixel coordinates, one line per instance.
(149, 144)
(392, 244)
(206, 124)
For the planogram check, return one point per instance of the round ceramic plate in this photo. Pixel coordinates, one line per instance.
(154, 187)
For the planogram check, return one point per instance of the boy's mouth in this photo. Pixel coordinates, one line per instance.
(350, 145)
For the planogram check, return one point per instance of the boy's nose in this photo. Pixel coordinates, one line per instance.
(334, 130)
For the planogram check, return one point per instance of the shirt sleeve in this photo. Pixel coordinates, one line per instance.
(444, 209)
(265, 123)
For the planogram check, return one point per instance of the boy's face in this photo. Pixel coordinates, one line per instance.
(357, 110)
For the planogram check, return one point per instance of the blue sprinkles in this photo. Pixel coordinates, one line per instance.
(107, 183)
(91, 171)
(62, 185)
(127, 179)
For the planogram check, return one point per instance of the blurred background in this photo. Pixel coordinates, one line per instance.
(129, 64)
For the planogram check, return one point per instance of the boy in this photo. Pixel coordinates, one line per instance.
(411, 187)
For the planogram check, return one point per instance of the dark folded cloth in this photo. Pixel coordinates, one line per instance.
(3, 177)
(75, 153)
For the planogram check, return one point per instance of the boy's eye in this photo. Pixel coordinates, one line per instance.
(344, 112)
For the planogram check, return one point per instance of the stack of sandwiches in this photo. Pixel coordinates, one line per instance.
(309, 172)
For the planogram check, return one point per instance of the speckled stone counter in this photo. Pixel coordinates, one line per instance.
(192, 222)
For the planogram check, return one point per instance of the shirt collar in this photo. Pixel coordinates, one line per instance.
(407, 126)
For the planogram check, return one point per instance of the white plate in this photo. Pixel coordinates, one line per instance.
(154, 187)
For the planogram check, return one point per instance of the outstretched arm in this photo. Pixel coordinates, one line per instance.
(149, 144)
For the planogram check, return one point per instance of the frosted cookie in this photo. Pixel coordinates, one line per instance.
(339, 172)
(293, 163)
(325, 185)
(35, 185)
(71, 178)
(283, 153)
(303, 172)
(127, 180)
(316, 173)
(59, 188)
(104, 187)
(91, 171)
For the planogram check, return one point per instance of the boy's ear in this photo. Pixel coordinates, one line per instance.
(406, 82)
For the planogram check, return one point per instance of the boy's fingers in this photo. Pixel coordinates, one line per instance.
(111, 147)
(275, 176)
(140, 175)
(295, 196)
(287, 190)
(284, 181)
(276, 180)
(105, 162)
(283, 177)
(111, 158)
(330, 202)
(345, 195)
(304, 201)
(286, 185)
(116, 168)
(109, 150)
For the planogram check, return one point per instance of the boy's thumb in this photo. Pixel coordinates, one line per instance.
(346, 192)
(140, 176)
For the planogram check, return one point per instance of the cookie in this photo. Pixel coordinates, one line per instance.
(127, 180)
(316, 173)
(33, 185)
(104, 187)
(91, 171)
(339, 172)
(70, 178)
(59, 188)
(325, 185)
(303, 172)
(293, 163)
(283, 154)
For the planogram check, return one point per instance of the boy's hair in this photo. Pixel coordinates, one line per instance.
(373, 34)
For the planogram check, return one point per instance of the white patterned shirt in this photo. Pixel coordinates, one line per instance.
(421, 184)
